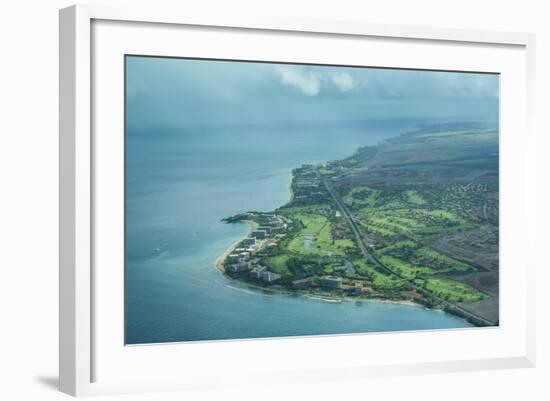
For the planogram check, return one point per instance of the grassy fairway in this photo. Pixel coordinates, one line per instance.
(441, 262)
(405, 269)
(400, 246)
(326, 171)
(379, 281)
(410, 222)
(361, 197)
(454, 291)
(277, 264)
(379, 230)
(405, 213)
(362, 267)
(400, 253)
(414, 198)
(317, 232)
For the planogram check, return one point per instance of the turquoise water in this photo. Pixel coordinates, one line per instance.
(180, 183)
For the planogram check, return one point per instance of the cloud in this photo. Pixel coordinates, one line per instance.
(310, 81)
(180, 92)
(467, 86)
(343, 81)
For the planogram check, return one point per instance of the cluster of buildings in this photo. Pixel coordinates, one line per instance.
(332, 282)
(329, 283)
(356, 288)
(254, 271)
(307, 186)
(242, 260)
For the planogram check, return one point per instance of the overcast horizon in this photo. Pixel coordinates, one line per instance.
(180, 93)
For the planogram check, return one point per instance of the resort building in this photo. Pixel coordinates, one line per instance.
(257, 271)
(269, 277)
(355, 289)
(303, 283)
(330, 282)
(239, 267)
(278, 229)
(259, 234)
(234, 258)
(249, 241)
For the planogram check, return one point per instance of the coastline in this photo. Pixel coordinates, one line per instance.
(290, 191)
(218, 263)
(320, 296)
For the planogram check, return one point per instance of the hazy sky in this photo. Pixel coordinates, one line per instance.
(188, 93)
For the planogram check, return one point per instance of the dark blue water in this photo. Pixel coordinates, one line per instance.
(180, 183)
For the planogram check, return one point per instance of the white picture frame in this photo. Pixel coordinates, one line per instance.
(78, 367)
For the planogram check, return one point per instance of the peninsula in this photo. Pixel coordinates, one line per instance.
(413, 219)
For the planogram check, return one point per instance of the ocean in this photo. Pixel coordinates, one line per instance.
(180, 182)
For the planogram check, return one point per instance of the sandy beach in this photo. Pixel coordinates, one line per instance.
(290, 191)
(218, 263)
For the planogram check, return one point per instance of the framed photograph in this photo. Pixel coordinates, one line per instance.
(295, 200)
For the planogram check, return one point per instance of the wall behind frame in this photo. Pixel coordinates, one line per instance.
(29, 216)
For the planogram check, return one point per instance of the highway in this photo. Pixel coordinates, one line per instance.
(374, 261)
